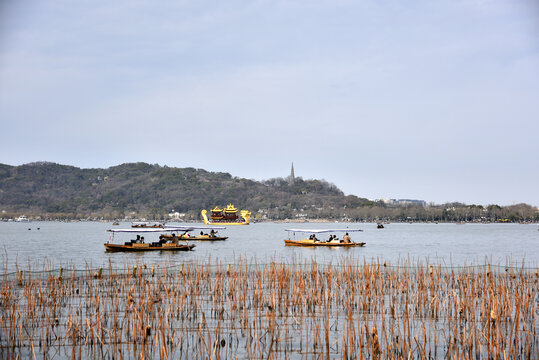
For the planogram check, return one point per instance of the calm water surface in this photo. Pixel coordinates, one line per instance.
(80, 245)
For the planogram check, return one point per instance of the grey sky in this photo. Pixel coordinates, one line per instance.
(433, 100)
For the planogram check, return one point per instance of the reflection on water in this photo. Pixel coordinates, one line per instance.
(80, 245)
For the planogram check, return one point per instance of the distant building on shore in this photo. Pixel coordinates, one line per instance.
(174, 215)
(403, 202)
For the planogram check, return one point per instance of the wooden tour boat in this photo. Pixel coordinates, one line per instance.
(314, 241)
(139, 243)
(211, 236)
(145, 224)
(228, 215)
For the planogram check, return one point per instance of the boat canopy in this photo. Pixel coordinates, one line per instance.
(319, 231)
(167, 229)
(140, 230)
(191, 228)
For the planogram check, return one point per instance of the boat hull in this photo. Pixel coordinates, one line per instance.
(204, 238)
(131, 248)
(226, 223)
(310, 243)
(196, 238)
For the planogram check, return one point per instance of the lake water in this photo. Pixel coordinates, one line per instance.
(80, 245)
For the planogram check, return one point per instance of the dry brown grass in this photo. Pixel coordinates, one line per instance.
(219, 311)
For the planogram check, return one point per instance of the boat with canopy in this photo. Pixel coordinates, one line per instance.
(321, 237)
(207, 233)
(146, 224)
(139, 243)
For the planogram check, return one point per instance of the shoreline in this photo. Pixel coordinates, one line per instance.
(285, 221)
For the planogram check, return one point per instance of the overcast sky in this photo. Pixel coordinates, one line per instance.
(432, 100)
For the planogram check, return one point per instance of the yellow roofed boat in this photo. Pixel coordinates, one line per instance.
(228, 215)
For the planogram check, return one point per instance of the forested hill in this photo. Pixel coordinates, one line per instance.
(153, 191)
(52, 191)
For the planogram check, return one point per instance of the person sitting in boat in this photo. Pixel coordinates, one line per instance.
(330, 238)
(142, 240)
(201, 233)
(212, 233)
(315, 239)
(137, 240)
(347, 239)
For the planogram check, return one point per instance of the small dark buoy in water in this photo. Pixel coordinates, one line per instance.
(38, 228)
(29, 229)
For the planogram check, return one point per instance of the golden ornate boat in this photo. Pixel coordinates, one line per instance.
(314, 241)
(228, 215)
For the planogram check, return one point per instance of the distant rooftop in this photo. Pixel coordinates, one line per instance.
(399, 202)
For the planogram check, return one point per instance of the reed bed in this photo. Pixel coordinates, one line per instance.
(353, 310)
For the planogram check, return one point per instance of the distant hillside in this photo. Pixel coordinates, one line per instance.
(153, 191)
(53, 191)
